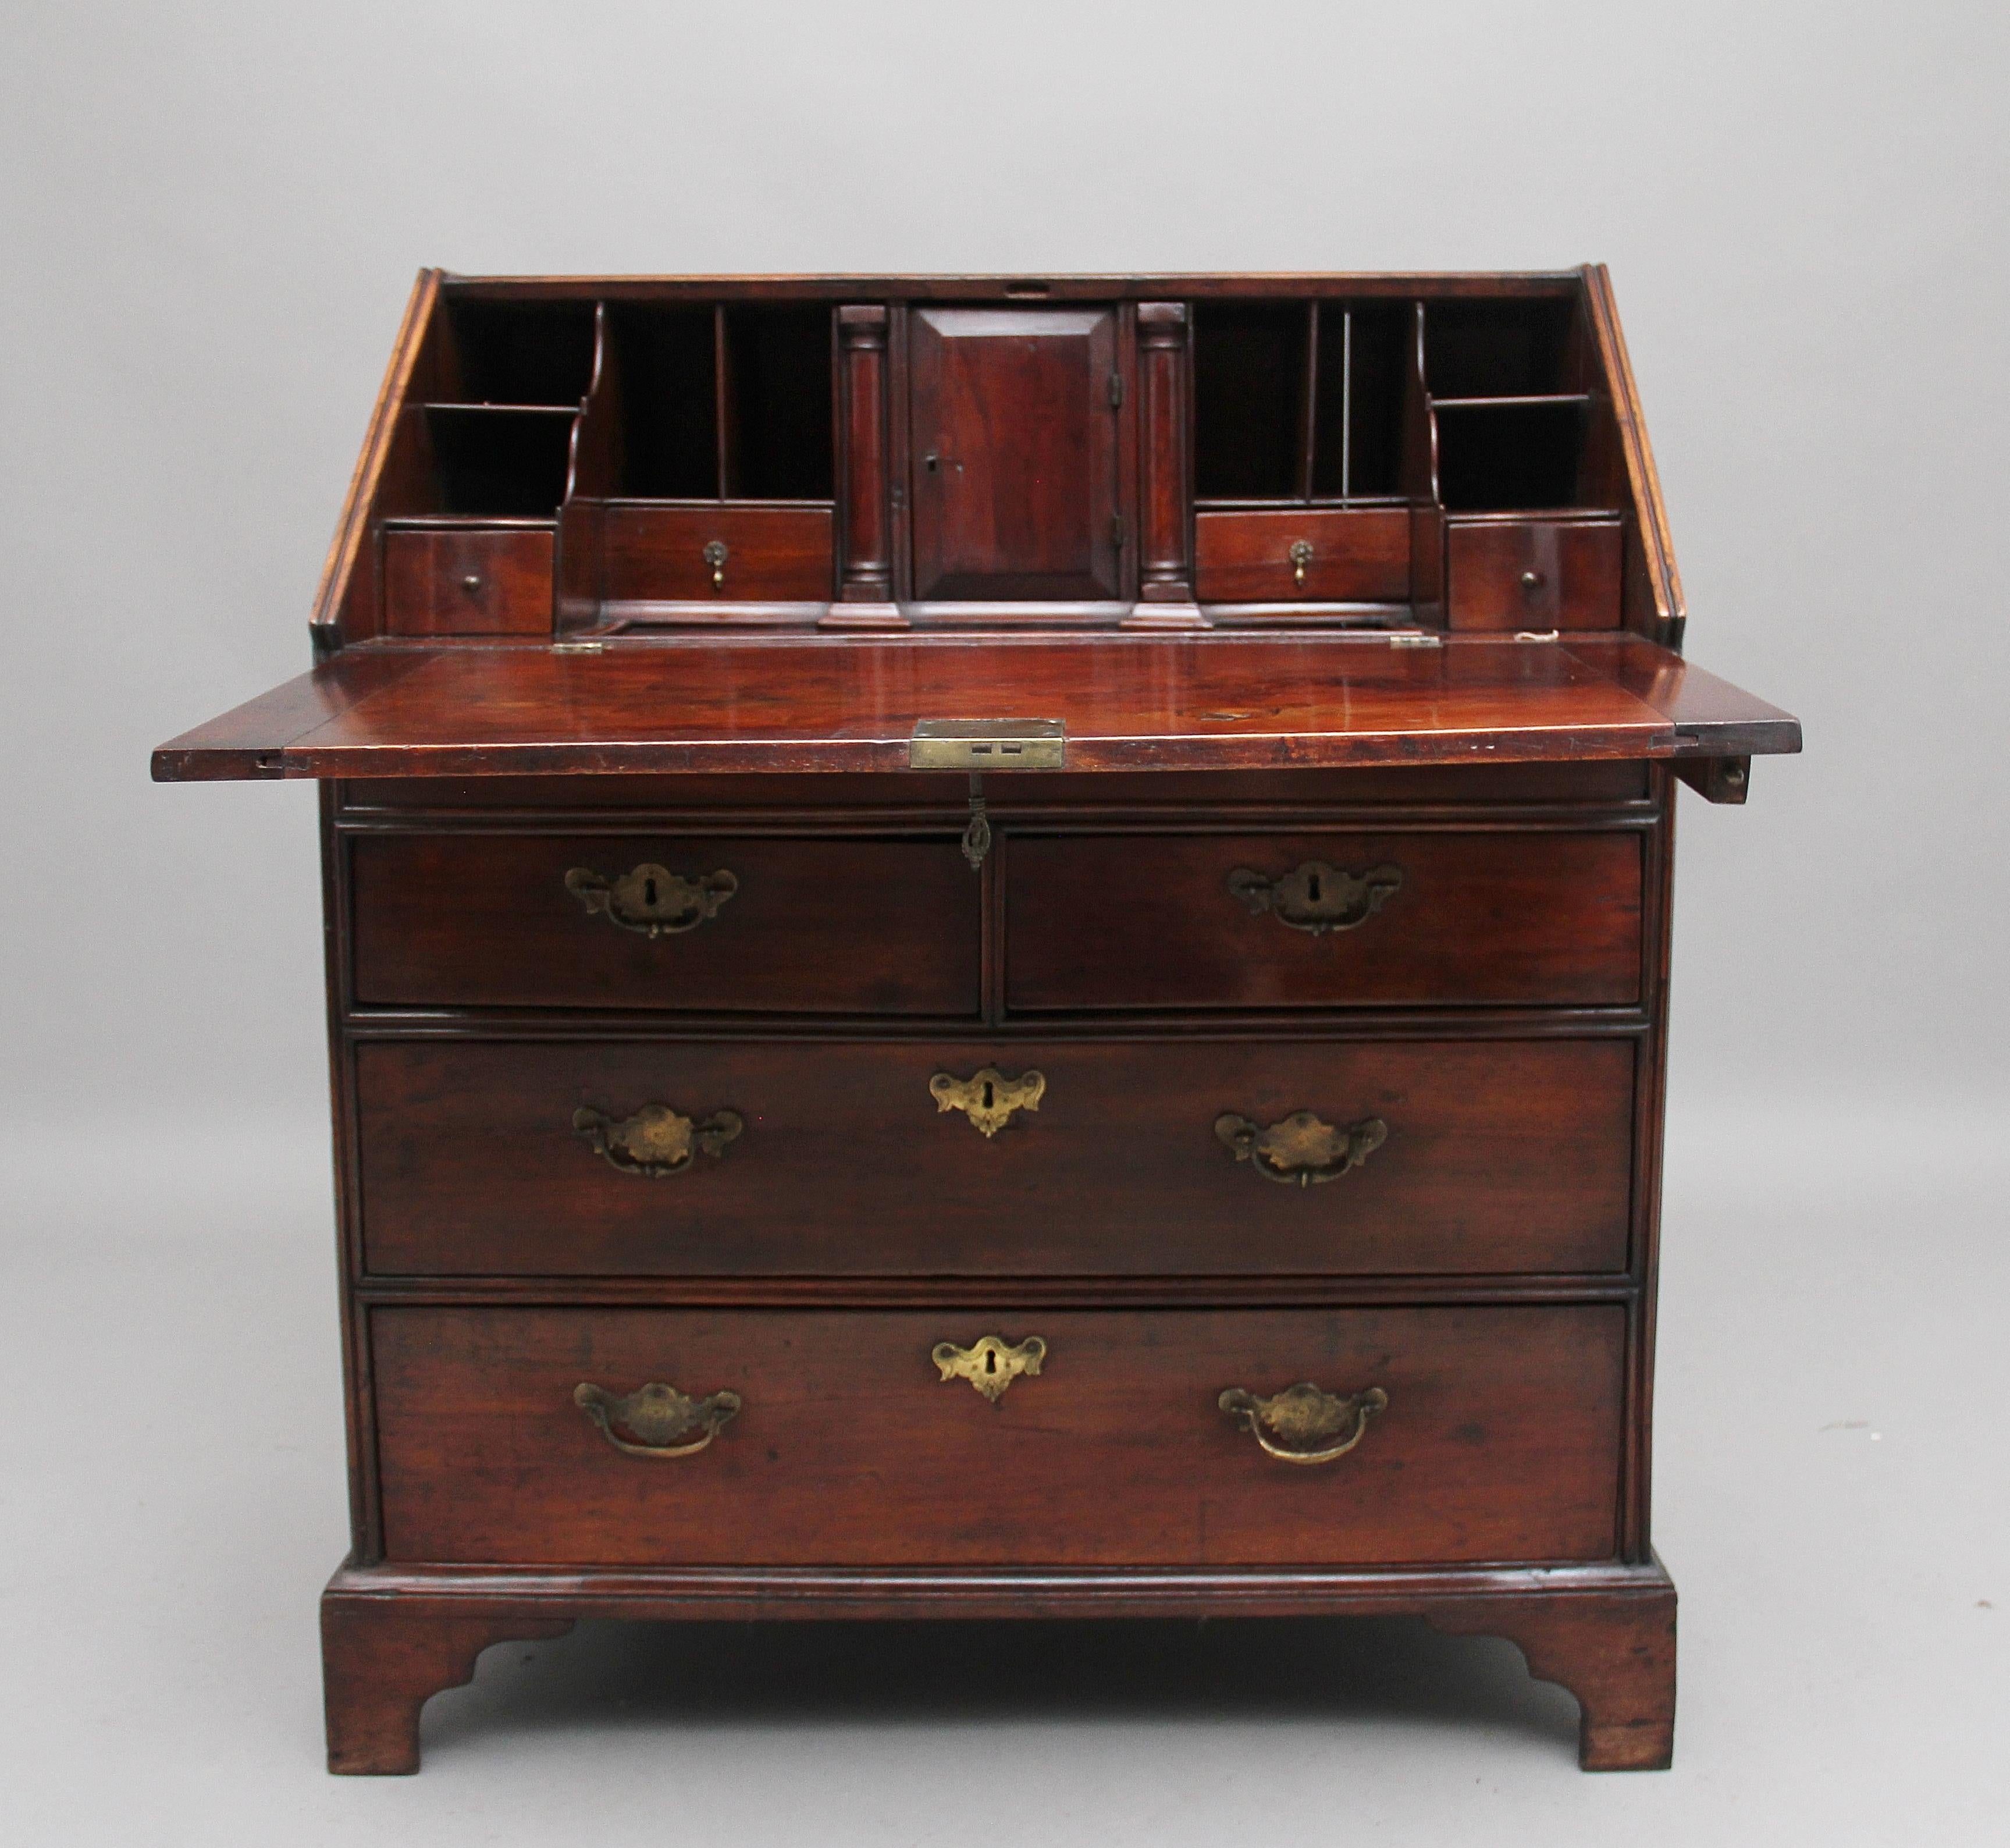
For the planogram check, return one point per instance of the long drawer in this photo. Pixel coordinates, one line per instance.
(816, 926)
(1324, 920)
(642, 1437)
(977, 1158)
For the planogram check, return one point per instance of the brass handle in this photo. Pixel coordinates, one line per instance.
(1532, 580)
(1316, 898)
(1300, 1151)
(988, 1364)
(1301, 555)
(1303, 1415)
(652, 900)
(656, 1141)
(657, 1415)
(716, 555)
(988, 1097)
(471, 583)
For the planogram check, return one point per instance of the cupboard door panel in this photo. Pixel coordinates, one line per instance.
(1014, 453)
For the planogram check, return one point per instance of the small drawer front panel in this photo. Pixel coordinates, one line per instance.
(1233, 1158)
(838, 1438)
(1338, 920)
(1538, 574)
(717, 554)
(644, 922)
(466, 580)
(1326, 555)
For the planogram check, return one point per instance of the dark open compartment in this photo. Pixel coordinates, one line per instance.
(1497, 349)
(1501, 458)
(779, 429)
(1249, 383)
(499, 463)
(522, 353)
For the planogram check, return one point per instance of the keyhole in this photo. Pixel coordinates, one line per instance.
(649, 893)
(1313, 888)
(987, 1093)
(990, 1360)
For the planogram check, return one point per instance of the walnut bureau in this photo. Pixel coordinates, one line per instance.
(998, 947)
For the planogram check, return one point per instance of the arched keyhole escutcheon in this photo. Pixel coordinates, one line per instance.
(988, 1364)
(989, 1098)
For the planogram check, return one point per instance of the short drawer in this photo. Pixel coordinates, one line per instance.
(1325, 555)
(717, 554)
(620, 1436)
(578, 1158)
(1338, 920)
(681, 924)
(1538, 574)
(467, 581)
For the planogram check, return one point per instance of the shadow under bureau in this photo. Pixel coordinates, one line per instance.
(999, 947)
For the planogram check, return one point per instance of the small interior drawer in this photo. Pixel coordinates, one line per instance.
(1340, 555)
(716, 553)
(467, 581)
(825, 1437)
(1538, 574)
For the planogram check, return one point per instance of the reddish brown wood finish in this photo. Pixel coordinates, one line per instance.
(1243, 702)
(1539, 574)
(814, 927)
(1504, 1014)
(1509, 1155)
(466, 580)
(382, 1659)
(868, 576)
(1165, 553)
(1359, 554)
(989, 388)
(656, 553)
(1495, 918)
(1499, 1441)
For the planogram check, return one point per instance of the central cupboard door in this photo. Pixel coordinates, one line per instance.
(1014, 454)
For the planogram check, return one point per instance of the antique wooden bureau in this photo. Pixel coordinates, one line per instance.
(999, 947)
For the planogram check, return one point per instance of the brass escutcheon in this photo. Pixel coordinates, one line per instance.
(989, 1364)
(988, 1097)
(656, 1415)
(652, 899)
(656, 1140)
(1316, 898)
(1302, 1415)
(1301, 1151)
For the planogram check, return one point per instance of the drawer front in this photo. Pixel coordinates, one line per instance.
(1338, 920)
(460, 581)
(1537, 574)
(1497, 1439)
(657, 554)
(645, 921)
(1330, 555)
(1493, 1157)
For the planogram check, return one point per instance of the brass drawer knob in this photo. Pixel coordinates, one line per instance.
(1316, 898)
(988, 1364)
(1303, 1424)
(652, 900)
(988, 1097)
(1301, 1151)
(656, 1140)
(658, 1419)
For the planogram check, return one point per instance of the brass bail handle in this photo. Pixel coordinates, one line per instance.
(1302, 1150)
(1316, 897)
(1304, 1424)
(658, 1419)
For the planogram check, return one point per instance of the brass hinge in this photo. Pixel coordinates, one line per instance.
(988, 744)
(1116, 530)
(1116, 391)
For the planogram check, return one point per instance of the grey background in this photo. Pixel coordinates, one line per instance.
(210, 218)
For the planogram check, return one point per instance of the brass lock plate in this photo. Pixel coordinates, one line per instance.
(986, 744)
